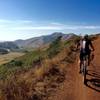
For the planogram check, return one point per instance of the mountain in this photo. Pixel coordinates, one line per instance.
(33, 42)
(4, 51)
(8, 46)
(42, 40)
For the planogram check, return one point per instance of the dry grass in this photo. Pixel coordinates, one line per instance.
(8, 57)
(37, 83)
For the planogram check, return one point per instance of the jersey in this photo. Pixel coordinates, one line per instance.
(84, 46)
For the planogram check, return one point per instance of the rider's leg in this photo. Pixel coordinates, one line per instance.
(81, 62)
(89, 59)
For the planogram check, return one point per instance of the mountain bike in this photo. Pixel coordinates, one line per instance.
(84, 67)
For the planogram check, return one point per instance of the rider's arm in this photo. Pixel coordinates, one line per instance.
(78, 45)
(91, 45)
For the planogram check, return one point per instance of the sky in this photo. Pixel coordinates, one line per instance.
(23, 19)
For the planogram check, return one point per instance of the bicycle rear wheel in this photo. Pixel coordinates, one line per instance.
(84, 73)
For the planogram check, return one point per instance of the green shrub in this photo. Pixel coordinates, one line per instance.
(15, 63)
(54, 47)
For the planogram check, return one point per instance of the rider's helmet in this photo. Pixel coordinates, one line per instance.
(86, 36)
(82, 37)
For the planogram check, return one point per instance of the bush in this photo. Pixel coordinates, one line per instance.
(54, 47)
(16, 63)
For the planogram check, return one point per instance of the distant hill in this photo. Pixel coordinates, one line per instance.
(42, 40)
(8, 46)
(4, 51)
(33, 42)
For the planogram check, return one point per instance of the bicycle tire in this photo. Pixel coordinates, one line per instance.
(84, 70)
(84, 74)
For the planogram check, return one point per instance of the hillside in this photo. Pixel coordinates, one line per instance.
(73, 87)
(39, 67)
(8, 46)
(42, 40)
(50, 74)
(4, 58)
(21, 45)
(4, 51)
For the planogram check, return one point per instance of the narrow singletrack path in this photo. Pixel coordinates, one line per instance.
(74, 88)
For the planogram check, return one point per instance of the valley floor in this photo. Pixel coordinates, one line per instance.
(8, 57)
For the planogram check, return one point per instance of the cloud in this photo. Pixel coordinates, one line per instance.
(82, 27)
(57, 23)
(55, 27)
(38, 28)
(74, 27)
(14, 21)
(12, 30)
(29, 25)
(91, 27)
(5, 21)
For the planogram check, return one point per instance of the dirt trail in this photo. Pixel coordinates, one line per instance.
(73, 87)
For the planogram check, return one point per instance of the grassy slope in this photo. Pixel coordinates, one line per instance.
(35, 75)
(19, 63)
(8, 57)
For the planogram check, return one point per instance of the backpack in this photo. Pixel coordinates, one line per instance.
(83, 46)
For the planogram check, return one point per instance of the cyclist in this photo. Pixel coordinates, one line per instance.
(85, 45)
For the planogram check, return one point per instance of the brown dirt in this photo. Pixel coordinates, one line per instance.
(74, 88)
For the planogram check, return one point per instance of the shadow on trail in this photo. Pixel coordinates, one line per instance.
(93, 80)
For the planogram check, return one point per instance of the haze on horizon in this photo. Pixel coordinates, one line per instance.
(22, 19)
